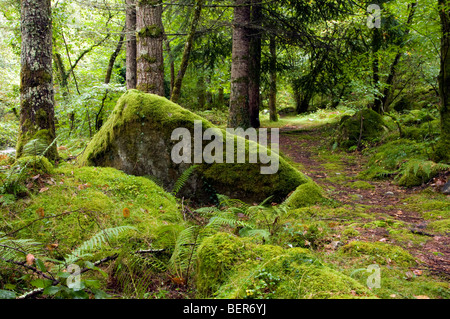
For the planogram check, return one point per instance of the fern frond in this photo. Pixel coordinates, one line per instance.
(17, 249)
(248, 232)
(96, 242)
(36, 147)
(182, 180)
(207, 210)
(227, 221)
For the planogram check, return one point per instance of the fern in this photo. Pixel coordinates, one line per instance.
(17, 249)
(182, 180)
(98, 241)
(36, 147)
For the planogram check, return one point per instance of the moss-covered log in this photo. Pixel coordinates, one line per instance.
(137, 139)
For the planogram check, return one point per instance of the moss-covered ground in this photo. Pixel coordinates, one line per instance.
(364, 237)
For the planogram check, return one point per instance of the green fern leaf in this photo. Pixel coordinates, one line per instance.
(96, 242)
(181, 181)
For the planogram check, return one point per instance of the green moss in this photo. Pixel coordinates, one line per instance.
(360, 185)
(379, 252)
(217, 255)
(151, 31)
(232, 267)
(440, 226)
(38, 164)
(305, 195)
(350, 128)
(417, 172)
(90, 199)
(350, 232)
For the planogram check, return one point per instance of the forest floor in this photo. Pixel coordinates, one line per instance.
(385, 203)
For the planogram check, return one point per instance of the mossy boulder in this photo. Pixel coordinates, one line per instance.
(234, 268)
(137, 139)
(305, 195)
(378, 252)
(349, 130)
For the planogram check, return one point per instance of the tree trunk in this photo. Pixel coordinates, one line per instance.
(255, 63)
(239, 115)
(112, 58)
(443, 147)
(187, 51)
(273, 80)
(393, 69)
(376, 45)
(37, 118)
(172, 64)
(150, 36)
(201, 92)
(130, 25)
(221, 97)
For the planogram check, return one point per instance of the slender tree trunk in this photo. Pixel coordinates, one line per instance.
(37, 118)
(150, 36)
(112, 58)
(187, 51)
(172, 65)
(221, 97)
(130, 26)
(443, 147)
(393, 69)
(239, 115)
(376, 45)
(273, 80)
(255, 63)
(201, 89)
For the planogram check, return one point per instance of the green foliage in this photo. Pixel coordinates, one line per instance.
(181, 181)
(97, 241)
(416, 172)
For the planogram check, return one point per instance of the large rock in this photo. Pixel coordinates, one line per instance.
(349, 130)
(137, 139)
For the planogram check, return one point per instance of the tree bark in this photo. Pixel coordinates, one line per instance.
(273, 80)
(239, 115)
(37, 117)
(187, 51)
(112, 58)
(443, 147)
(130, 26)
(150, 36)
(376, 45)
(393, 69)
(255, 63)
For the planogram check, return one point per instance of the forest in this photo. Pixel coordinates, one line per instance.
(234, 149)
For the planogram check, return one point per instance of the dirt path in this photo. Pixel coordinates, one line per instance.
(337, 173)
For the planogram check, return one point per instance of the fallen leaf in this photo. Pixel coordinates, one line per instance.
(40, 212)
(30, 259)
(43, 189)
(417, 272)
(52, 246)
(36, 177)
(178, 280)
(383, 239)
(126, 212)
(422, 297)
